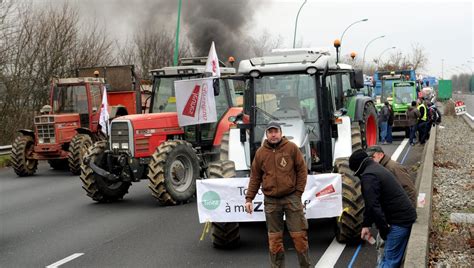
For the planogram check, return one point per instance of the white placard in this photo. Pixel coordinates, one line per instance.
(222, 200)
(195, 102)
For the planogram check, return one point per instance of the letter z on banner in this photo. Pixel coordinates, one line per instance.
(222, 200)
(195, 101)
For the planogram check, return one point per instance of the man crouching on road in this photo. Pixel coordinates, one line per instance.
(386, 204)
(281, 170)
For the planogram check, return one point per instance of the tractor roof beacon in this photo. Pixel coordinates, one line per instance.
(309, 95)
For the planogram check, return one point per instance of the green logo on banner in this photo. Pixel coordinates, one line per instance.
(211, 200)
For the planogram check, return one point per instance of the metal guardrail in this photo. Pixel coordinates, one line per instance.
(5, 149)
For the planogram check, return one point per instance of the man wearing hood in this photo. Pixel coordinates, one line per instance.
(386, 204)
(280, 169)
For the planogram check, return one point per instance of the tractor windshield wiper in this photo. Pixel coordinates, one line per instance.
(267, 113)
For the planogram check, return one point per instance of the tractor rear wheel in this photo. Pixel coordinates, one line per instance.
(368, 126)
(173, 171)
(97, 187)
(225, 235)
(59, 164)
(77, 149)
(349, 223)
(21, 156)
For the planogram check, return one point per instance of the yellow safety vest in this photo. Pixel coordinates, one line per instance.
(425, 116)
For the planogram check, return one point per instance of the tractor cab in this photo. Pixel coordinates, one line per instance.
(308, 93)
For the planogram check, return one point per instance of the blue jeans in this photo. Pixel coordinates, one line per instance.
(412, 134)
(389, 134)
(397, 240)
(383, 131)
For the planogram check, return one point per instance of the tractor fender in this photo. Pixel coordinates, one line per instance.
(27, 132)
(84, 130)
(359, 107)
(117, 111)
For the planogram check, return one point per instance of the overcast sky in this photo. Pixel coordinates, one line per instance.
(443, 28)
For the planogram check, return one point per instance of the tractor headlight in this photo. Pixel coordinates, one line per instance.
(40, 140)
(52, 140)
(124, 146)
(115, 145)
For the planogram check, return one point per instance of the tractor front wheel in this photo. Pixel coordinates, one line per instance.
(77, 149)
(225, 235)
(21, 156)
(173, 171)
(368, 126)
(98, 188)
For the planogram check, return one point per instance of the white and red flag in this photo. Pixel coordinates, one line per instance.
(104, 113)
(212, 64)
(195, 102)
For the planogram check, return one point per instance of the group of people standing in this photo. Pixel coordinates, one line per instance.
(421, 115)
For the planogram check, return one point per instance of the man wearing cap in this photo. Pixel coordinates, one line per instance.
(401, 172)
(280, 169)
(386, 204)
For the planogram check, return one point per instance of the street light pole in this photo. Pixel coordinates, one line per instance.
(296, 22)
(363, 58)
(176, 46)
(380, 56)
(442, 69)
(342, 35)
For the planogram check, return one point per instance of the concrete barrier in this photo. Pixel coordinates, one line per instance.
(418, 245)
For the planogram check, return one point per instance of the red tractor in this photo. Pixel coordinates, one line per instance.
(153, 146)
(70, 123)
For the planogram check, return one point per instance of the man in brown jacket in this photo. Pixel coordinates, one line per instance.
(280, 169)
(402, 174)
(412, 115)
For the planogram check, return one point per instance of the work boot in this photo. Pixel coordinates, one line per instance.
(277, 260)
(300, 239)
(277, 251)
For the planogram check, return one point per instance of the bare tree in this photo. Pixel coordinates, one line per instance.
(263, 44)
(44, 43)
(416, 60)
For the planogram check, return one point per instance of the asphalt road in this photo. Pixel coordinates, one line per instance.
(48, 217)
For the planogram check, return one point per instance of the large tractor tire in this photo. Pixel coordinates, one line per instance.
(58, 164)
(349, 223)
(173, 171)
(97, 187)
(368, 126)
(225, 235)
(224, 150)
(21, 156)
(356, 137)
(77, 149)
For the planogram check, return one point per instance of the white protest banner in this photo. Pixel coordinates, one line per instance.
(104, 113)
(195, 102)
(212, 63)
(222, 200)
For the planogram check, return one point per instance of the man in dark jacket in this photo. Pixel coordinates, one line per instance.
(412, 115)
(386, 205)
(280, 169)
(403, 176)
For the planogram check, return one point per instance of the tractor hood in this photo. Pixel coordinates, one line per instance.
(161, 121)
(295, 131)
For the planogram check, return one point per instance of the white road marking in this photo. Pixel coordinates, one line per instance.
(399, 150)
(331, 255)
(470, 117)
(63, 261)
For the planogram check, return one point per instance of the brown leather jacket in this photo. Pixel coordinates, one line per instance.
(404, 178)
(281, 171)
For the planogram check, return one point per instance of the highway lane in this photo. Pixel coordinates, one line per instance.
(48, 217)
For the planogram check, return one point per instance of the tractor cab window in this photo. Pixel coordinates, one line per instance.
(96, 99)
(164, 98)
(289, 98)
(404, 94)
(70, 99)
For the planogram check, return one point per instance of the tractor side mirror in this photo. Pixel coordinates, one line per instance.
(357, 79)
(215, 85)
